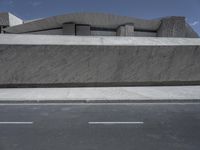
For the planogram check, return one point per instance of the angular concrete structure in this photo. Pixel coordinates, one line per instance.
(83, 30)
(8, 20)
(91, 49)
(172, 27)
(105, 25)
(126, 30)
(68, 29)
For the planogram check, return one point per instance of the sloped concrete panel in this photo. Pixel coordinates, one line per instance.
(8, 19)
(82, 64)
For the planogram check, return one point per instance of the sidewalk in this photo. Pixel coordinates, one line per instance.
(101, 94)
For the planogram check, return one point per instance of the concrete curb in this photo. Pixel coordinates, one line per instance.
(182, 101)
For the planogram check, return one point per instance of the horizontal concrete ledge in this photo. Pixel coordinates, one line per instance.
(102, 84)
(102, 94)
(22, 39)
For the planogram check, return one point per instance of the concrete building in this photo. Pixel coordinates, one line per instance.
(97, 24)
(82, 50)
(94, 49)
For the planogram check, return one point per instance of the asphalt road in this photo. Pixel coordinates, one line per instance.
(100, 127)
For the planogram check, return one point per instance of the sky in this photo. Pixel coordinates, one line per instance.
(147, 9)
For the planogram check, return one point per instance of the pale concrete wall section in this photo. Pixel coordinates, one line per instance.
(102, 94)
(84, 63)
(13, 20)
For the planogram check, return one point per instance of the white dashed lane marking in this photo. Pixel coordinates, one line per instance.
(17, 123)
(114, 123)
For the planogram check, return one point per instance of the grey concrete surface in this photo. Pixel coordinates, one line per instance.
(4, 19)
(126, 30)
(100, 94)
(103, 33)
(97, 127)
(26, 39)
(33, 59)
(83, 30)
(93, 19)
(49, 32)
(166, 27)
(172, 27)
(8, 19)
(190, 32)
(69, 28)
(145, 34)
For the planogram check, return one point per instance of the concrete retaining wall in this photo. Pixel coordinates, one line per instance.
(97, 64)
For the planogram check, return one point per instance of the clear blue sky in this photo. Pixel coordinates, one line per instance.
(32, 9)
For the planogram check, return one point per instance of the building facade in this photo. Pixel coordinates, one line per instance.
(98, 24)
(93, 49)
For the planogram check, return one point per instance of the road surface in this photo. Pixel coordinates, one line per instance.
(144, 126)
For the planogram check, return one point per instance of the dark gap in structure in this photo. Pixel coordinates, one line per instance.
(101, 84)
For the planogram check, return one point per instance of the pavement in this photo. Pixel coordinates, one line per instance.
(100, 118)
(101, 94)
(139, 126)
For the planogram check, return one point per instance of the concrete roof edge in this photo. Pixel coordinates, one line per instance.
(21, 39)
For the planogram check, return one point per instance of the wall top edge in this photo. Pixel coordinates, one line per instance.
(17, 39)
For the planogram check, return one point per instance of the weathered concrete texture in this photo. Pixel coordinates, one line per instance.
(101, 24)
(4, 19)
(26, 39)
(93, 19)
(8, 19)
(120, 31)
(172, 27)
(126, 30)
(97, 63)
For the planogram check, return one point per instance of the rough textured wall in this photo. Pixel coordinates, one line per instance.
(172, 27)
(32, 64)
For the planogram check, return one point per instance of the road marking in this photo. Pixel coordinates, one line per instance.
(25, 123)
(113, 123)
